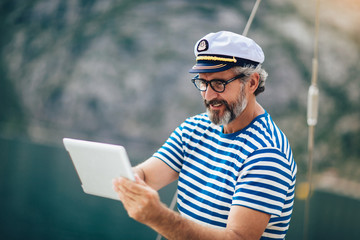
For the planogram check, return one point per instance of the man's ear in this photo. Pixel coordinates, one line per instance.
(254, 82)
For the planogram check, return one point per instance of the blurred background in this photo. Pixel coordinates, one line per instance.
(116, 71)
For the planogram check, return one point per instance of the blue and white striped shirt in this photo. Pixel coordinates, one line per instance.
(253, 167)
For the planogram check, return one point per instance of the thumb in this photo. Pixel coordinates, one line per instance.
(139, 180)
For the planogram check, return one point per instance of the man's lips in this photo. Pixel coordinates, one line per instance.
(215, 104)
(216, 107)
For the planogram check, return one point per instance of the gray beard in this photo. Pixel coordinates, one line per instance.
(232, 111)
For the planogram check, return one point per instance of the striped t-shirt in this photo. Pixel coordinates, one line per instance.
(253, 167)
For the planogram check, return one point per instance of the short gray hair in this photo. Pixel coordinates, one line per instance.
(249, 70)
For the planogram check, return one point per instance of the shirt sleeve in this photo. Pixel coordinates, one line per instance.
(264, 181)
(172, 151)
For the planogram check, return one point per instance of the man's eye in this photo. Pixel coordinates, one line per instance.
(217, 84)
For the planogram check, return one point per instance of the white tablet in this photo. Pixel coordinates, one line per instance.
(97, 164)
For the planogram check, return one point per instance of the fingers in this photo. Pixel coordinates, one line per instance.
(126, 185)
(125, 196)
(136, 191)
(129, 190)
(117, 189)
(140, 200)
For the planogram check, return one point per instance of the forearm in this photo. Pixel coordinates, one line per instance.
(143, 204)
(173, 226)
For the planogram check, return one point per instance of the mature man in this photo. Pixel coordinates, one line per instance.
(235, 169)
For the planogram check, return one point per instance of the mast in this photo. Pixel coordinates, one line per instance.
(312, 117)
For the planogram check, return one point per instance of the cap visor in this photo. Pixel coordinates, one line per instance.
(209, 68)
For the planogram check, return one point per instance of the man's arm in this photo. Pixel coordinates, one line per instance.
(155, 173)
(143, 204)
(244, 224)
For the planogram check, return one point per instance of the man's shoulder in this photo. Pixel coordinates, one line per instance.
(266, 126)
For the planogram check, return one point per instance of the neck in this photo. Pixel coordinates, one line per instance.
(252, 110)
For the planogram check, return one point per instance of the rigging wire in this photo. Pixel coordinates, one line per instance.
(312, 116)
(251, 18)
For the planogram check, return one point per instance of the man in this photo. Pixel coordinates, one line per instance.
(234, 166)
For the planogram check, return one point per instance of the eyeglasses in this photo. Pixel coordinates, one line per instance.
(218, 85)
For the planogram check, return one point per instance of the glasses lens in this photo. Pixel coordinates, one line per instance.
(200, 84)
(217, 86)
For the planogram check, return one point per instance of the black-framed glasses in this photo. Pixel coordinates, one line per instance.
(218, 85)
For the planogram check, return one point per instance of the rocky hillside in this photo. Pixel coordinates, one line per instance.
(116, 70)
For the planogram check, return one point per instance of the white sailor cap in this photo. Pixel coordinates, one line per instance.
(222, 50)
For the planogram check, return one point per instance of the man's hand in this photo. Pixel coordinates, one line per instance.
(140, 201)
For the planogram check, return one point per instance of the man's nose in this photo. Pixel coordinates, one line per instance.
(209, 94)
